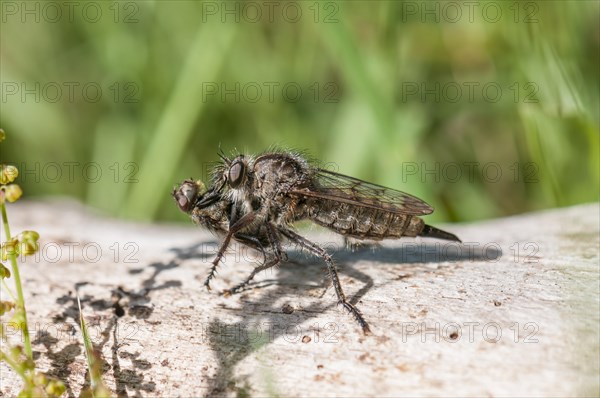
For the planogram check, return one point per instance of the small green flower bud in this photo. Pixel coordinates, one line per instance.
(55, 388)
(28, 242)
(6, 306)
(18, 319)
(28, 392)
(102, 392)
(9, 248)
(8, 173)
(28, 364)
(36, 392)
(15, 352)
(28, 248)
(13, 192)
(4, 272)
(40, 379)
(29, 235)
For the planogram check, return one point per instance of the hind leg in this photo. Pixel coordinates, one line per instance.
(320, 252)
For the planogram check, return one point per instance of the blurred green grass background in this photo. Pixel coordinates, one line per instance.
(358, 65)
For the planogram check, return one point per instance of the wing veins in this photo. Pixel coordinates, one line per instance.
(341, 188)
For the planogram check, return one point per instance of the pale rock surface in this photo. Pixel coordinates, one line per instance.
(513, 312)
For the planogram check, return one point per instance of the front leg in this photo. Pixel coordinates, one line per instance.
(279, 255)
(244, 221)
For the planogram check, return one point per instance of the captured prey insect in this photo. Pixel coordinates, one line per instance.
(255, 200)
(206, 207)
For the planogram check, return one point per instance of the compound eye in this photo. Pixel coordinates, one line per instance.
(186, 196)
(236, 174)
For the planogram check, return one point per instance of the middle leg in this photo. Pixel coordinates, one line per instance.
(278, 253)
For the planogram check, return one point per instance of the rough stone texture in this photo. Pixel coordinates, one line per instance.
(514, 312)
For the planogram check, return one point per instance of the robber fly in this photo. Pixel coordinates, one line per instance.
(259, 198)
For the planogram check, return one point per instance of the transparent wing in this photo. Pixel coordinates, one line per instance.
(332, 186)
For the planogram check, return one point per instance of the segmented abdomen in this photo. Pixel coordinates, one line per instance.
(361, 222)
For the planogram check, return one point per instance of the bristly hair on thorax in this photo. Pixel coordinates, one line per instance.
(220, 168)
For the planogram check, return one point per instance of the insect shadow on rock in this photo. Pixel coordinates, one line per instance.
(256, 199)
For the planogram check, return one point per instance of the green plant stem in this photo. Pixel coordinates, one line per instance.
(12, 364)
(17, 276)
(88, 347)
(7, 289)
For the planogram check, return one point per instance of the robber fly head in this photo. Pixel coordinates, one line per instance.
(192, 194)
